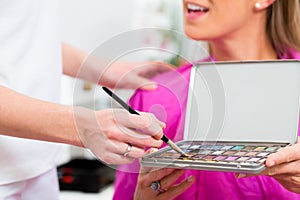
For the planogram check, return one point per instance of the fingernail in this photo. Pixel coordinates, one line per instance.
(271, 163)
(152, 86)
(190, 179)
(163, 125)
(241, 176)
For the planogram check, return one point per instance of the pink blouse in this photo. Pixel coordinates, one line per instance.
(168, 103)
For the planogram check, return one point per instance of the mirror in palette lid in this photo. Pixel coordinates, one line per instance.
(244, 102)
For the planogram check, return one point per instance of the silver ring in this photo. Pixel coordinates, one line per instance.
(127, 150)
(155, 185)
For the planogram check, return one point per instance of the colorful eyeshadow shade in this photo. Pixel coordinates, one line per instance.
(237, 148)
(241, 159)
(209, 157)
(231, 158)
(217, 152)
(259, 149)
(262, 154)
(220, 158)
(194, 147)
(188, 150)
(249, 148)
(227, 147)
(194, 151)
(216, 147)
(204, 152)
(197, 156)
(252, 153)
(253, 159)
(229, 152)
(206, 147)
(240, 153)
(271, 149)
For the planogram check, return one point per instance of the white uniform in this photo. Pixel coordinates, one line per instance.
(30, 63)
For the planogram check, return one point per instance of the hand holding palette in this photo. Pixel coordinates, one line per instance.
(238, 113)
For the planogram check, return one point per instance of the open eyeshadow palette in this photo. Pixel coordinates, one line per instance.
(238, 113)
(223, 156)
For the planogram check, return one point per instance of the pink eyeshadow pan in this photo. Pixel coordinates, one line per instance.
(253, 159)
(209, 157)
(220, 158)
(231, 158)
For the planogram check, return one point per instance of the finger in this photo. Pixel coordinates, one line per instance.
(156, 174)
(287, 154)
(142, 83)
(120, 148)
(112, 158)
(170, 179)
(136, 139)
(286, 168)
(146, 122)
(162, 124)
(177, 189)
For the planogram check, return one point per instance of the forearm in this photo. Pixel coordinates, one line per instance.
(25, 117)
(77, 64)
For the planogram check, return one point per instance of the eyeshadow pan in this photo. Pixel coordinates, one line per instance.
(243, 159)
(226, 147)
(194, 147)
(229, 152)
(220, 158)
(184, 146)
(240, 153)
(217, 152)
(262, 154)
(249, 148)
(271, 148)
(216, 147)
(259, 149)
(209, 157)
(253, 159)
(237, 148)
(231, 158)
(204, 152)
(206, 147)
(198, 156)
(252, 153)
(194, 151)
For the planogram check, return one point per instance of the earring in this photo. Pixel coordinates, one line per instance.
(258, 5)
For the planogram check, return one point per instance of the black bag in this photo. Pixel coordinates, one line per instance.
(84, 175)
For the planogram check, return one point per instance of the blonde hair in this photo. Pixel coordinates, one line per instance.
(283, 26)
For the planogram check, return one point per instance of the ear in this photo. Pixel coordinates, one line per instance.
(263, 4)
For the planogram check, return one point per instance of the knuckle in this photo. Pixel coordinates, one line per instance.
(108, 133)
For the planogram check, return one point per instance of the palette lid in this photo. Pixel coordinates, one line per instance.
(244, 101)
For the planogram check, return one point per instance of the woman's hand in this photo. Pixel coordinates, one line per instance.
(120, 74)
(284, 166)
(133, 75)
(112, 135)
(166, 179)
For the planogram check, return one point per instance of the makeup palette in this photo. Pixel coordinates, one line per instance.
(238, 113)
(223, 156)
